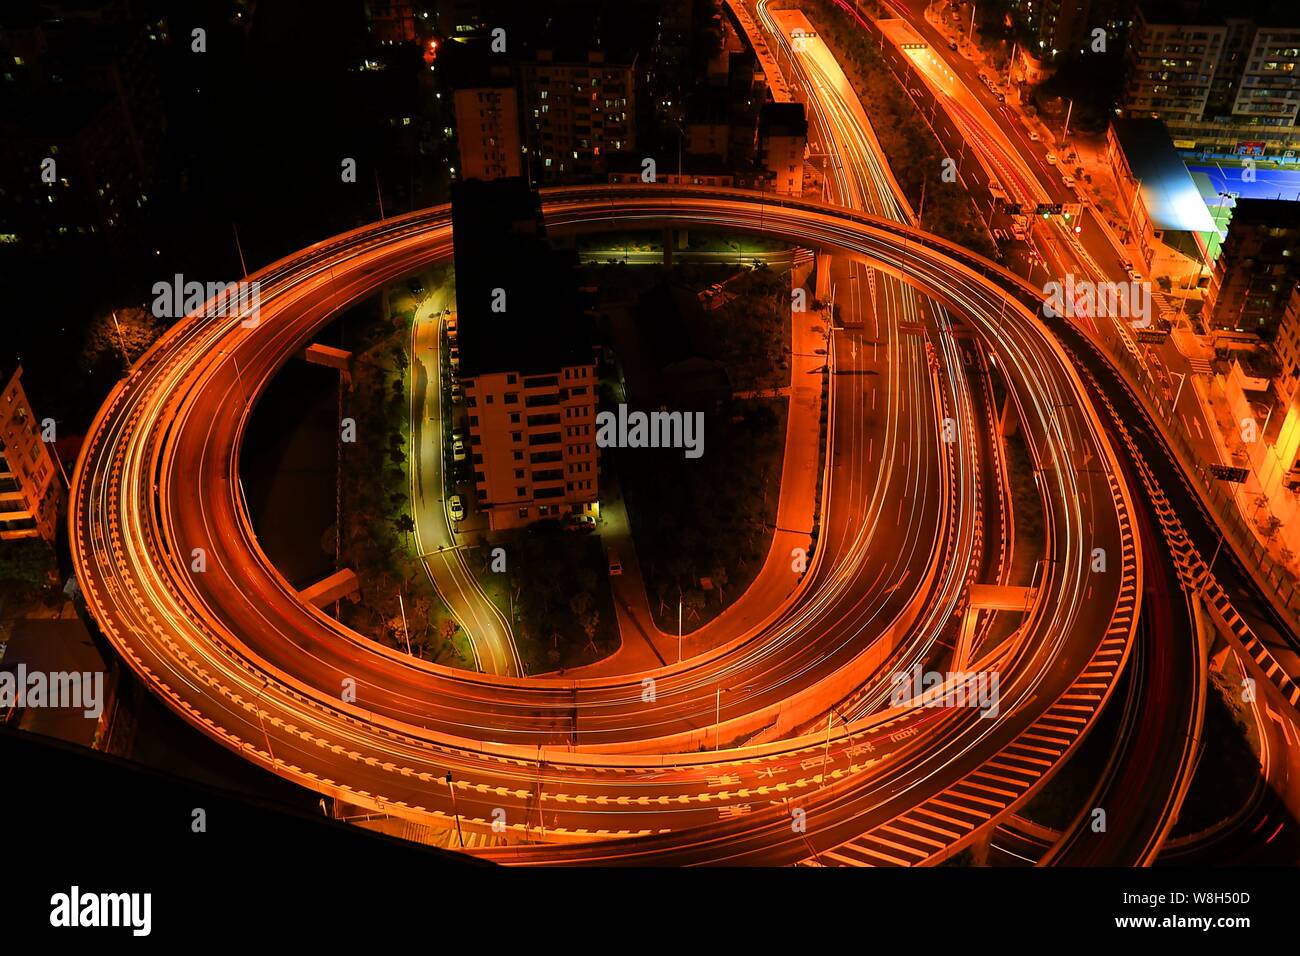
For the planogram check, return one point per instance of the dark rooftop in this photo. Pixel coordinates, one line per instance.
(1279, 213)
(782, 119)
(1203, 13)
(500, 244)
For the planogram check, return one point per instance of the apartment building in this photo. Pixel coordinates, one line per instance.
(486, 102)
(533, 442)
(1224, 85)
(527, 364)
(82, 128)
(579, 105)
(30, 492)
(487, 130)
(782, 142)
(391, 21)
(1059, 26)
(1257, 267)
(1286, 346)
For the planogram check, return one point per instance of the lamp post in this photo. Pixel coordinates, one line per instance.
(121, 340)
(1210, 569)
(1181, 382)
(826, 753)
(243, 397)
(405, 630)
(452, 790)
(240, 249)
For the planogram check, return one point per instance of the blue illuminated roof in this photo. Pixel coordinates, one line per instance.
(1170, 196)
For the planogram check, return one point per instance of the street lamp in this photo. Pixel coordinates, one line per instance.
(243, 397)
(826, 753)
(405, 630)
(452, 790)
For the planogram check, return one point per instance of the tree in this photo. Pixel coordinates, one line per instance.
(26, 561)
(406, 525)
(583, 606)
(135, 330)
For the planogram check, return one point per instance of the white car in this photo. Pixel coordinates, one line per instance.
(456, 508)
(1034, 136)
(1051, 159)
(1068, 180)
(458, 450)
(1135, 275)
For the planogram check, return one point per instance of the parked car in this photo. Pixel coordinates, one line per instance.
(1134, 275)
(1051, 159)
(416, 287)
(456, 508)
(458, 450)
(580, 523)
(1068, 180)
(615, 565)
(455, 391)
(1034, 136)
(952, 45)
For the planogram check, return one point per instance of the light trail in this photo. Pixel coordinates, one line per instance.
(202, 641)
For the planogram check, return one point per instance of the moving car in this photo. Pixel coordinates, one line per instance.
(615, 565)
(456, 508)
(1068, 180)
(1051, 159)
(1134, 274)
(416, 287)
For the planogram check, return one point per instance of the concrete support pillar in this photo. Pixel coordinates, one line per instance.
(337, 586)
(327, 356)
(1009, 419)
(822, 291)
